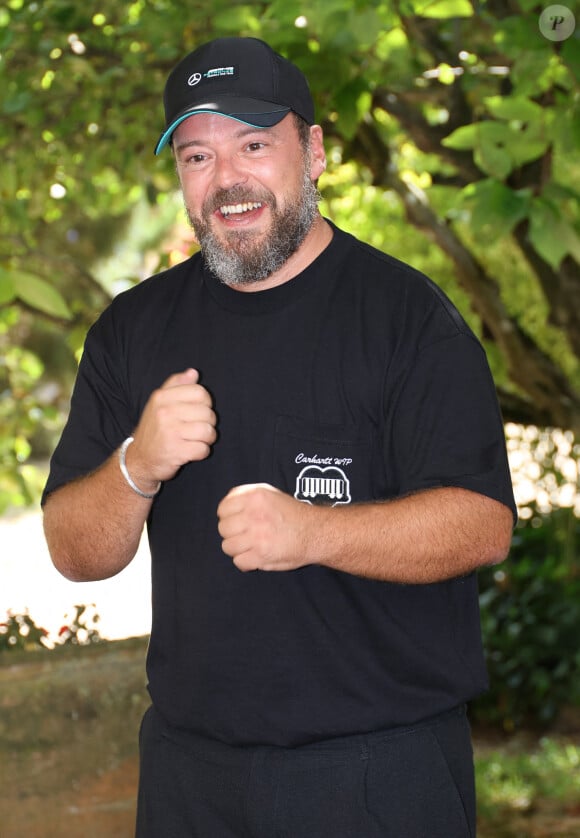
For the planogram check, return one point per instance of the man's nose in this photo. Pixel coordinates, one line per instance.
(228, 172)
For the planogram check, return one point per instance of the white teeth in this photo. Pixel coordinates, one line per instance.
(232, 209)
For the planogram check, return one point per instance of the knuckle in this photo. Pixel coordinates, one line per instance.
(203, 450)
(201, 394)
(157, 399)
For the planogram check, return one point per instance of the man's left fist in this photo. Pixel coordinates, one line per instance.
(263, 528)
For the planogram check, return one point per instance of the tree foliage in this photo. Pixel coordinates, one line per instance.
(452, 133)
(530, 609)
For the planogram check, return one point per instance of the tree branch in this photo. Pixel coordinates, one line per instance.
(561, 288)
(428, 137)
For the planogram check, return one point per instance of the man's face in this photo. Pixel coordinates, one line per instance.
(248, 193)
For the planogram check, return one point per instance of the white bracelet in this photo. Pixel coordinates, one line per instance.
(127, 476)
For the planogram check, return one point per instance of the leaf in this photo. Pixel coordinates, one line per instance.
(236, 19)
(492, 152)
(551, 235)
(446, 74)
(40, 295)
(493, 160)
(495, 206)
(7, 292)
(498, 147)
(364, 26)
(349, 100)
(518, 108)
(527, 146)
(566, 128)
(16, 103)
(527, 124)
(443, 8)
(571, 55)
(462, 138)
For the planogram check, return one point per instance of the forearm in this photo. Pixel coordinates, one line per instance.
(93, 525)
(423, 538)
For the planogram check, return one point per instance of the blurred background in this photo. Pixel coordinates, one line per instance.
(452, 132)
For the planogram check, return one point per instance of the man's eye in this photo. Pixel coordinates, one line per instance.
(255, 146)
(192, 159)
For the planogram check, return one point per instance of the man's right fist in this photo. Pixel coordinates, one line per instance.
(177, 426)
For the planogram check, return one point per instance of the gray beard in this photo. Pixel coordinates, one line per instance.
(241, 260)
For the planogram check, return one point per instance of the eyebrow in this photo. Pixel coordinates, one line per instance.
(243, 132)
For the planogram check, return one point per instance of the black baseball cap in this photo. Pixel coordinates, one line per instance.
(242, 78)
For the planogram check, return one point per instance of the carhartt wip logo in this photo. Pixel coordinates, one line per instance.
(216, 73)
(322, 486)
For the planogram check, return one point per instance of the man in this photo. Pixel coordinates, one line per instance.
(310, 432)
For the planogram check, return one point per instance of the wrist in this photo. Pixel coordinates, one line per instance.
(313, 533)
(326, 536)
(144, 488)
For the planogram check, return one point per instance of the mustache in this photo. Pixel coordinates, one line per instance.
(237, 195)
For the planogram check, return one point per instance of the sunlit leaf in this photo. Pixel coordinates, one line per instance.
(462, 138)
(443, 8)
(514, 107)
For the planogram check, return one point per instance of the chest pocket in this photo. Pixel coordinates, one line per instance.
(327, 465)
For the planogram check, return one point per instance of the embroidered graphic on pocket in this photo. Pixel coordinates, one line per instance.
(322, 486)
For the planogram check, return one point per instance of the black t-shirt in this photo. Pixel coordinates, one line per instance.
(356, 380)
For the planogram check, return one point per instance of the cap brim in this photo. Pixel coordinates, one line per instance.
(249, 111)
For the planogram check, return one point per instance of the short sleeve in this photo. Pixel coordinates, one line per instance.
(99, 417)
(446, 427)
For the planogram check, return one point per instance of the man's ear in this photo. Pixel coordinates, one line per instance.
(317, 152)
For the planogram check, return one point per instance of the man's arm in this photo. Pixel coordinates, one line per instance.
(93, 525)
(427, 537)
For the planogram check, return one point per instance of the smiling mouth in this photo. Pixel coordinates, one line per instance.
(239, 209)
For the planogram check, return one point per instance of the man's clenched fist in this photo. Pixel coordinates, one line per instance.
(263, 528)
(177, 426)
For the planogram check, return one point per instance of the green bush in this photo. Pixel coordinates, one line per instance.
(530, 608)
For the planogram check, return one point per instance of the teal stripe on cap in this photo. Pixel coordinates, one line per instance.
(276, 116)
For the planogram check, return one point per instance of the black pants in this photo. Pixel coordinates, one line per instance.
(414, 782)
